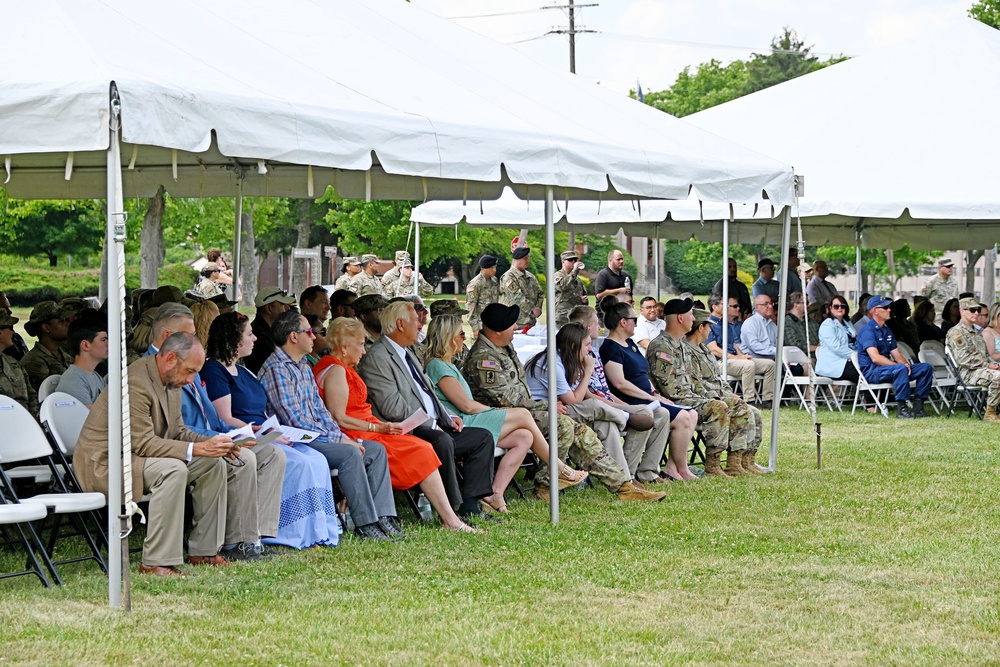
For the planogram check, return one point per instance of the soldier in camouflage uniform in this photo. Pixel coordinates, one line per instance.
(368, 310)
(941, 288)
(975, 365)
(708, 382)
(392, 275)
(482, 290)
(451, 307)
(47, 323)
(403, 285)
(367, 282)
(569, 288)
(352, 267)
(519, 287)
(671, 370)
(496, 378)
(13, 380)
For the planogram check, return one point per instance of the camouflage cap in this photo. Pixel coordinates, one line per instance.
(402, 254)
(74, 305)
(968, 303)
(6, 319)
(701, 316)
(447, 307)
(351, 260)
(210, 268)
(166, 294)
(568, 255)
(368, 302)
(406, 263)
(45, 311)
(946, 261)
(368, 258)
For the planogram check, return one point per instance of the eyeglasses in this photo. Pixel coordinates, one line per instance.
(634, 319)
(236, 463)
(419, 307)
(765, 305)
(734, 305)
(305, 331)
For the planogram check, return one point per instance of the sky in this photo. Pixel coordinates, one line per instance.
(651, 41)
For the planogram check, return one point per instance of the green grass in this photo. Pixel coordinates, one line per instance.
(886, 556)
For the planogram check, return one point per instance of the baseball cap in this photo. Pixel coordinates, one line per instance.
(967, 303)
(767, 261)
(267, 295)
(878, 301)
(945, 261)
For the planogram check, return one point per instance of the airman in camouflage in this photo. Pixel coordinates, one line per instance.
(569, 288)
(352, 267)
(482, 290)
(974, 362)
(392, 275)
(47, 323)
(403, 285)
(672, 369)
(13, 380)
(367, 282)
(519, 287)
(941, 288)
(496, 378)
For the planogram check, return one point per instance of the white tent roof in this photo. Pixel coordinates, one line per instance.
(901, 142)
(369, 93)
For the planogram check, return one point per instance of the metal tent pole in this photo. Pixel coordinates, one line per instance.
(237, 264)
(657, 261)
(857, 261)
(416, 259)
(786, 234)
(550, 333)
(725, 299)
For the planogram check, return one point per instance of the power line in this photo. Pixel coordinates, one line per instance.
(487, 16)
(706, 45)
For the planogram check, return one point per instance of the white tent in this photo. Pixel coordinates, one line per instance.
(111, 98)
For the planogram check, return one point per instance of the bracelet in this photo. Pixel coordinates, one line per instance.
(371, 427)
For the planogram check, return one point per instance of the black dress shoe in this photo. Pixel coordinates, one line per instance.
(766, 405)
(371, 531)
(390, 526)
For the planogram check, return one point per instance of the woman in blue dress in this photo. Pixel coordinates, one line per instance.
(308, 513)
(513, 429)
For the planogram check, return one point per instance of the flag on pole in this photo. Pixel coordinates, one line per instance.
(638, 92)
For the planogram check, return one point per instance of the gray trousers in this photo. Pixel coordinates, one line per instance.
(644, 449)
(253, 494)
(166, 481)
(365, 479)
(606, 420)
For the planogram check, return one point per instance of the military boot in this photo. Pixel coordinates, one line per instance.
(630, 491)
(750, 462)
(991, 414)
(713, 466)
(918, 407)
(734, 464)
(542, 493)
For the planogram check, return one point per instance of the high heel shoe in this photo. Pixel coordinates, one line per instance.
(569, 477)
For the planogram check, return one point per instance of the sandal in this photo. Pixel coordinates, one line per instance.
(499, 508)
(569, 477)
(466, 528)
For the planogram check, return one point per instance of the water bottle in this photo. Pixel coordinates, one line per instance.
(424, 506)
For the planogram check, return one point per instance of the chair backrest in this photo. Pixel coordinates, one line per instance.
(937, 362)
(793, 355)
(48, 386)
(64, 415)
(21, 438)
(905, 350)
(934, 346)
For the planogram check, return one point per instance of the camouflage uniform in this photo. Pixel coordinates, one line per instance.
(14, 383)
(39, 363)
(481, 292)
(344, 281)
(521, 288)
(671, 369)
(401, 287)
(369, 340)
(207, 288)
(569, 290)
(497, 379)
(940, 291)
(969, 349)
(365, 283)
(745, 420)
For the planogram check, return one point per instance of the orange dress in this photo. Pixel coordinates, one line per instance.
(410, 458)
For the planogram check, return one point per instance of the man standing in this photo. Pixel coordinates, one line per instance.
(270, 303)
(569, 287)
(352, 267)
(482, 290)
(612, 280)
(881, 361)
(794, 282)
(366, 282)
(738, 362)
(392, 275)
(820, 290)
(941, 288)
(519, 287)
(765, 283)
(975, 365)
(759, 334)
(736, 288)
(648, 325)
(167, 458)
(314, 300)
(398, 388)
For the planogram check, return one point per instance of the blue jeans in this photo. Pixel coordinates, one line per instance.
(922, 374)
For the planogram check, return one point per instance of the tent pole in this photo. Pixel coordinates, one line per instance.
(237, 264)
(550, 333)
(656, 260)
(416, 258)
(786, 234)
(857, 262)
(725, 298)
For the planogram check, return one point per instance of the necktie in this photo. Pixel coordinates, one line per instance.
(417, 375)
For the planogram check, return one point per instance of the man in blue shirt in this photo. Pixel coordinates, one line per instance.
(766, 284)
(881, 361)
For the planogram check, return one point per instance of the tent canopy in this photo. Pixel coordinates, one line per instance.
(361, 95)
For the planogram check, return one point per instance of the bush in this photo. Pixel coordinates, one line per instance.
(27, 285)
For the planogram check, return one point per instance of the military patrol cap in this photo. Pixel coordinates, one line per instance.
(406, 263)
(402, 254)
(210, 268)
(368, 258)
(968, 303)
(701, 316)
(166, 294)
(368, 303)
(351, 260)
(487, 262)
(7, 320)
(521, 251)
(806, 267)
(767, 261)
(878, 301)
(498, 317)
(266, 295)
(45, 311)
(945, 261)
(74, 305)
(447, 307)
(677, 306)
(568, 255)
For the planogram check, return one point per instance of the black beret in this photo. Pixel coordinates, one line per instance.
(677, 306)
(487, 262)
(520, 252)
(498, 317)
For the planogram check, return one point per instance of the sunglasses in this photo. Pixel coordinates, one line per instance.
(634, 319)
(462, 334)
(419, 307)
(838, 306)
(975, 310)
(305, 331)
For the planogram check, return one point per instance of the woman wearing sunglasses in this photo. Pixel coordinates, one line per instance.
(836, 343)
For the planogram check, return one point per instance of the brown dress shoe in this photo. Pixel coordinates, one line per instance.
(161, 571)
(216, 560)
(630, 491)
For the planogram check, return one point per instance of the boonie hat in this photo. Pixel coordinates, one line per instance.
(267, 295)
(166, 294)
(45, 311)
(498, 317)
(447, 307)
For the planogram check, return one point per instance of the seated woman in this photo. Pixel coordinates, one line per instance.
(923, 319)
(628, 375)
(513, 429)
(991, 332)
(308, 514)
(412, 461)
(950, 315)
(836, 343)
(901, 326)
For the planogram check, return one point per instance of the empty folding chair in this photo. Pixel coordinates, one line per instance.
(879, 392)
(20, 516)
(801, 383)
(945, 383)
(62, 418)
(906, 351)
(48, 386)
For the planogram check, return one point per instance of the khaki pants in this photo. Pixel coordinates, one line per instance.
(747, 369)
(607, 421)
(644, 449)
(253, 494)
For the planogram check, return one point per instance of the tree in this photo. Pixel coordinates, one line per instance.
(986, 11)
(51, 228)
(152, 241)
(907, 262)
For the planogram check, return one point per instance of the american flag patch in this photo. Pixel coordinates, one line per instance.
(486, 363)
(664, 356)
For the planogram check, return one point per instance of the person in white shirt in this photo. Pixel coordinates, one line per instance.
(88, 338)
(759, 334)
(649, 325)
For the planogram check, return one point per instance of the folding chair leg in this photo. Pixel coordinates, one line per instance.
(45, 555)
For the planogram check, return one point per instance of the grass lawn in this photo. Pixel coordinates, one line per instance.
(889, 555)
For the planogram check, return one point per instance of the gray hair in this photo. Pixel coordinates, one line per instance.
(166, 315)
(284, 325)
(395, 311)
(181, 344)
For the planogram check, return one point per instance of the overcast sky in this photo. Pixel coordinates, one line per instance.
(653, 40)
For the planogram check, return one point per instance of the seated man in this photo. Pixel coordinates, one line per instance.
(759, 333)
(496, 377)
(88, 340)
(881, 361)
(167, 458)
(368, 309)
(738, 362)
(270, 302)
(341, 303)
(649, 325)
(975, 364)
(292, 395)
(398, 387)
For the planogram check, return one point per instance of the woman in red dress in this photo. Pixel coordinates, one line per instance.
(412, 461)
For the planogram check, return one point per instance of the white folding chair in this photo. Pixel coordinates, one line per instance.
(20, 517)
(62, 418)
(48, 386)
(872, 389)
(933, 346)
(792, 355)
(974, 395)
(945, 384)
(905, 350)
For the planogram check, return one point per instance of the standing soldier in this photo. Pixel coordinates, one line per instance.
(941, 288)
(483, 290)
(975, 365)
(519, 287)
(392, 275)
(403, 286)
(366, 282)
(569, 287)
(352, 267)
(13, 380)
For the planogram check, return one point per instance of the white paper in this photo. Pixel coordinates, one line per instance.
(654, 405)
(414, 420)
(298, 434)
(269, 423)
(242, 433)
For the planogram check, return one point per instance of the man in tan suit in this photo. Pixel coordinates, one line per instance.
(167, 457)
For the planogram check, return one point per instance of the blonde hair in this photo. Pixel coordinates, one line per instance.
(395, 311)
(441, 334)
(204, 313)
(993, 314)
(342, 329)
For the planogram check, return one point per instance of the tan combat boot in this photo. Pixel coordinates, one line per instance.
(991, 414)
(734, 464)
(713, 467)
(630, 491)
(542, 493)
(750, 462)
